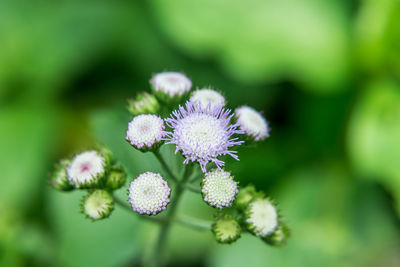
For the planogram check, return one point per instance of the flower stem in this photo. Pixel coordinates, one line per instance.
(194, 223)
(158, 256)
(164, 165)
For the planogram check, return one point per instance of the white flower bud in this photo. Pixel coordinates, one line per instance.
(145, 132)
(149, 193)
(218, 188)
(252, 123)
(86, 169)
(261, 217)
(208, 97)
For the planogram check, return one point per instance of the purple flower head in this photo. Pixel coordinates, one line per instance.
(203, 134)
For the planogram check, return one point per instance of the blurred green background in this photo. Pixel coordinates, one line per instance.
(325, 73)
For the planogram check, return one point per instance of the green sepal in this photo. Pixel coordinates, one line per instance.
(168, 100)
(246, 195)
(145, 149)
(226, 229)
(97, 204)
(279, 236)
(116, 178)
(144, 103)
(59, 179)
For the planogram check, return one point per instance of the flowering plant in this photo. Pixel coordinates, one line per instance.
(204, 131)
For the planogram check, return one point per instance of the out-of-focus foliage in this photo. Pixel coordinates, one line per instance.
(263, 41)
(374, 135)
(325, 73)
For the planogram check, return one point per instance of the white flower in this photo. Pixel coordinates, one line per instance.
(86, 169)
(145, 131)
(98, 205)
(219, 188)
(252, 123)
(206, 97)
(149, 193)
(171, 83)
(262, 217)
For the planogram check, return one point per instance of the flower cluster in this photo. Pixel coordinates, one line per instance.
(95, 171)
(205, 133)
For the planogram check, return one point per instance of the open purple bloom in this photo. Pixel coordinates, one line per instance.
(203, 134)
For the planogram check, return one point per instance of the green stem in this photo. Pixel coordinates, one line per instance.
(193, 188)
(194, 223)
(164, 165)
(158, 256)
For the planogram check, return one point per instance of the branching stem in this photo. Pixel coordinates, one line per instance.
(165, 166)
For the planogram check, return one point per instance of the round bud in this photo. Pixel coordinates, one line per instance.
(170, 86)
(218, 188)
(149, 193)
(144, 103)
(145, 132)
(86, 169)
(261, 217)
(252, 123)
(226, 229)
(115, 178)
(244, 196)
(97, 204)
(279, 236)
(59, 179)
(208, 97)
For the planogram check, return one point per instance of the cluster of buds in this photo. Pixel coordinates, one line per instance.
(203, 131)
(94, 171)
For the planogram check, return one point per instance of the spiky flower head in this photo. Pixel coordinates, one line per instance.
(149, 193)
(144, 103)
(261, 217)
(59, 179)
(226, 229)
(203, 134)
(218, 188)
(279, 236)
(170, 85)
(97, 204)
(205, 97)
(145, 132)
(252, 123)
(86, 169)
(115, 178)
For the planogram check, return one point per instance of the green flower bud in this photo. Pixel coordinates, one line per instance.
(97, 205)
(244, 196)
(226, 229)
(144, 103)
(279, 236)
(116, 178)
(59, 179)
